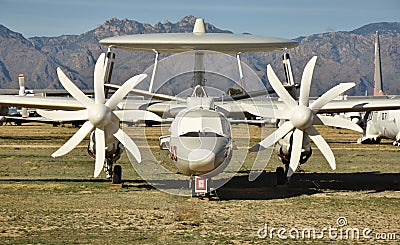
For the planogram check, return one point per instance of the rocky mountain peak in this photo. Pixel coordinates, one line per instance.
(382, 27)
(8, 34)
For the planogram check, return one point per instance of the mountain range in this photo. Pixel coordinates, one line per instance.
(343, 56)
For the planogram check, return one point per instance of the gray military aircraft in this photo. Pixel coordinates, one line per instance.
(200, 140)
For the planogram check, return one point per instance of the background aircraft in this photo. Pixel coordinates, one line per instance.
(380, 124)
(21, 115)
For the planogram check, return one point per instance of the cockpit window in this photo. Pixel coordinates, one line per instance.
(201, 123)
(201, 134)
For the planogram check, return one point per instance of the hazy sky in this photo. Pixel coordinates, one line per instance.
(287, 18)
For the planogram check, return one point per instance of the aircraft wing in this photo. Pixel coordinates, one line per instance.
(61, 103)
(257, 108)
(273, 109)
(359, 105)
(21, 120)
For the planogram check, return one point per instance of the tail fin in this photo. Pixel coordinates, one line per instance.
(21, 82)
(21, 92)
(378, 89)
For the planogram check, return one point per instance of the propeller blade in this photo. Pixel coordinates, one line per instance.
(330, 95)
(74, 140)
(263, 111)
(61, 115)
(273, 138)
(279, 88)
(129, 144)
(322, 146)
(100, 151)
(136, 115)
(306, 82)
(124, 90)
(297, 144)
(336, 122)
(73, 90)
(99, 96)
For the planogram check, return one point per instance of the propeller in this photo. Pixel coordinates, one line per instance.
(101, 115)
(301, 116)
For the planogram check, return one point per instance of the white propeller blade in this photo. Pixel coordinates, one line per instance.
(134, 115)
(262, 111)
(119, 95)
(297, 144)
(61, 115)
(99, 71)
(306, 82)
(273, 138)
(322, 146)
(129, 144)
(74, 140)
(73, 90)
(100, 151)
(330, 95)
(279, 88)
(336, 122)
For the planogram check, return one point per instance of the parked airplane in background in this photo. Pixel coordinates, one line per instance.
(200, 142)
(19, 116)
(380, 124)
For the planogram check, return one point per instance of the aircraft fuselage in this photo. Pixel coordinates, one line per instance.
(200, 142)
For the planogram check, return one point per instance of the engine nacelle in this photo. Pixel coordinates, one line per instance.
(284, 152)
(113, 151)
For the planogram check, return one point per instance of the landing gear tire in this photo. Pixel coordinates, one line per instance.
(117, 175)
(280, 176)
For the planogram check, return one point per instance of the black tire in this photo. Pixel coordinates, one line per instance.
(280, 176)
(117, 175)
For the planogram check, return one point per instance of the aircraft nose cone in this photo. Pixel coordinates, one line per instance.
(201, 160)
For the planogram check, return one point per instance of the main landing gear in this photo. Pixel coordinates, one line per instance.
(117, 175)
(281, 178)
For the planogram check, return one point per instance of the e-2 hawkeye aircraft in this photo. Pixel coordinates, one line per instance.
(200, 140)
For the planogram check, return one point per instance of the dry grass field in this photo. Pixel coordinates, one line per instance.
(57, 201)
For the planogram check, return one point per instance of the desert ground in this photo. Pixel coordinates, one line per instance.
(57, 201)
